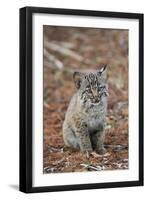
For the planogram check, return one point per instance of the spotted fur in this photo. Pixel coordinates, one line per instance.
(85, 122)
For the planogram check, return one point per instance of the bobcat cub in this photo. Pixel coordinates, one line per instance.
(84, 122)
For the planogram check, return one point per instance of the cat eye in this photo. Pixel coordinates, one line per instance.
(101, 87)
(88, 88)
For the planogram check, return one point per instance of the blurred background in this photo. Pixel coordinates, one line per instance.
(69, 49)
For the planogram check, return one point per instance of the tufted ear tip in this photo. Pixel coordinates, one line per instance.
(103, 68)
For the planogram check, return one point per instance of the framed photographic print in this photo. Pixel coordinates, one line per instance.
(81, 99)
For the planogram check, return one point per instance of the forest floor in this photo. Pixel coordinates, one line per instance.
(73, 49)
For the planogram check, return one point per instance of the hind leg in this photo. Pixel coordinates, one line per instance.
(69, 137)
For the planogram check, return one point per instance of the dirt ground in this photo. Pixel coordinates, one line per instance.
(68, 49)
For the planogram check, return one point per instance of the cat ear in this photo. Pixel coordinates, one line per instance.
(77, 76)
(103, 68)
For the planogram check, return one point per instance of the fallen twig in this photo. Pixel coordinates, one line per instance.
(50, 169)
(96, 155)
(55, 149)
(46, 105)
(67, 45)
(59, 161)
(116, 147)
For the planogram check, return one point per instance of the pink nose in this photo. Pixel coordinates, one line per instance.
(95, 93)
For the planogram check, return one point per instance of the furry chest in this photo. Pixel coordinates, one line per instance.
(94, 122)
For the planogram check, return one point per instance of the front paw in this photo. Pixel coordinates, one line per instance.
(86, 149)
(86, 152)
(101, 150)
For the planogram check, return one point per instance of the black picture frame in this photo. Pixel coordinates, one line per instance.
(26, 98)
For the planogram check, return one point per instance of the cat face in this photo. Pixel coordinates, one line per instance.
(92, 86)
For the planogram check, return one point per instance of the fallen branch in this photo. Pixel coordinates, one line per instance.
(63, 50)
(53, 59)
(98, 168)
